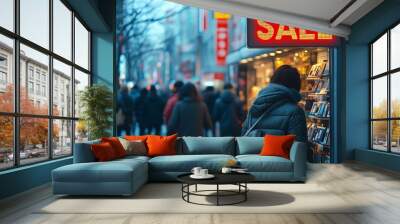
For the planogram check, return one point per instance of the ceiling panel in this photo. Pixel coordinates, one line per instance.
(328, 16)
(320, 9)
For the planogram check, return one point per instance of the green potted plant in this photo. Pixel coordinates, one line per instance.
(96, 104)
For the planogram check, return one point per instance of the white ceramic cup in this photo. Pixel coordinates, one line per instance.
(226, 170)
(196, 171)
(203, 172)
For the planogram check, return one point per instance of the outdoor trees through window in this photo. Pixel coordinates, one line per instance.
(385, 95)
(38, 124)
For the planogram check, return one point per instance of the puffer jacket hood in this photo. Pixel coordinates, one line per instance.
(272, 94)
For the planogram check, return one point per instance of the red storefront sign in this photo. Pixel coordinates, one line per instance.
(261, 34)
(221, 44)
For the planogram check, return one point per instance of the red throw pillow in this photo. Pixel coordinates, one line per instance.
(275, 145)
(103, 152)
(116, 145)
(136, 138)
(161, 145)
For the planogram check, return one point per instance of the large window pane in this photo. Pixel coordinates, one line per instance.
(395, 95)
(6, 74)
(7, 14)
(379, 135)
(62, 89)
(81, 82)
(34, 72)
(81, 131)
(35, 21)
(395, 136)
(6, 142)
(62, 138)
(33, 139)
(395, 47)
(379, 56)
(81, 45)
(379, 98)
(62, 29)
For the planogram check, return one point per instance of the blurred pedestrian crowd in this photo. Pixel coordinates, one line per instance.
(184, 109)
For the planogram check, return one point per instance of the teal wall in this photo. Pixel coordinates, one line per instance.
(103, 64)
(357, 84)
(24, 178)
(102, 58)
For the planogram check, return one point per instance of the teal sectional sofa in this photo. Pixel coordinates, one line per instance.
(125, 176)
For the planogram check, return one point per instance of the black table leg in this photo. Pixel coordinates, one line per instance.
(217, 194)
(196, 187)
(245, 193)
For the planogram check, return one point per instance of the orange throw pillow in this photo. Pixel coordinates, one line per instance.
(275, 145)
(103, 152)
(161, 145)
(136, 138)
(116, 145)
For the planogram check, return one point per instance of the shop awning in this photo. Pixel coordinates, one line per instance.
(328, 16)
(244, 52)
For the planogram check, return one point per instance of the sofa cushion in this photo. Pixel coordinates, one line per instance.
(257, 163)
(112, 171)
(249, 145)
(185, 163)
(208, 145)
(103, 152)
(277, 145)
(116, 145)
(161, 145)
(135, 147)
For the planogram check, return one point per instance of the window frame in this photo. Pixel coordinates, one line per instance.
(388, 74)
(16, 115)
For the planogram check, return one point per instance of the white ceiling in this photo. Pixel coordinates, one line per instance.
(329, 16)
(320, 9)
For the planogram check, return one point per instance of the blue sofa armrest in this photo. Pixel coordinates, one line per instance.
(298, 155)
(83, 152)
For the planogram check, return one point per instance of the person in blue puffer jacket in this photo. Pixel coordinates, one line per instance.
(279, 104)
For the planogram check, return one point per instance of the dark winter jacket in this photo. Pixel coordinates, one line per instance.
(153, 111)
(228, 111)
(210, 98)
(189, 118)
(287, 118)
(125, 103)
(140, 104)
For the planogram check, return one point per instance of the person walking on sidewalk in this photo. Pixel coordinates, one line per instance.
(172, 101)
(190, 116)
(140, 104)
(154, 108)
(228, 112)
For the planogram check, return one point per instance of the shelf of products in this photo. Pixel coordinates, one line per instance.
(316, 100)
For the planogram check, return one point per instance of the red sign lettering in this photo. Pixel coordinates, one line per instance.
(261, 34)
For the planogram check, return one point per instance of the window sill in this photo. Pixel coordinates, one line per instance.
(30, 166)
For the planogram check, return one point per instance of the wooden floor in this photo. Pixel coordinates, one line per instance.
(377, 188)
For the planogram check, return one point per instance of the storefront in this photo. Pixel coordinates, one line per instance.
(314, 67)
(254, 72)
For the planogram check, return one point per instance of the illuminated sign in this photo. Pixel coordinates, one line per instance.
(261, 34)
(221, 15)
(221, 41)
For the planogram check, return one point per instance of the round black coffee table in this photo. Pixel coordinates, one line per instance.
(238, 179)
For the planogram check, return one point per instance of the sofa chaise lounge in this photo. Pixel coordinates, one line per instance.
(125, 176)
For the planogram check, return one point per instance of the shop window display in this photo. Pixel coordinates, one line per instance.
(314, 67)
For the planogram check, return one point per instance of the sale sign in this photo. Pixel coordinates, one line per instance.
(221, 41)
(261, 34)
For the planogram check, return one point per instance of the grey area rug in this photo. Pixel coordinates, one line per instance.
(166, 198)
